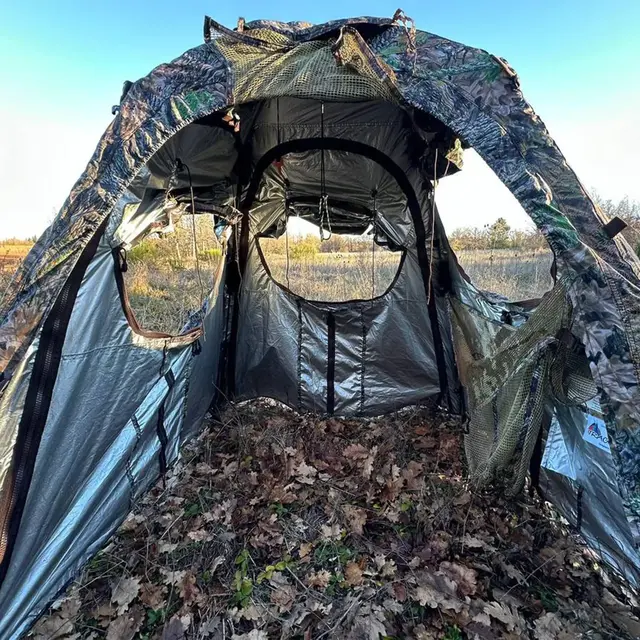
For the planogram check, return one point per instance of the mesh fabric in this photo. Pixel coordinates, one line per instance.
(276, 68)
(509, 374)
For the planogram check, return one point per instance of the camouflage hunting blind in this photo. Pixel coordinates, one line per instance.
(348, 124)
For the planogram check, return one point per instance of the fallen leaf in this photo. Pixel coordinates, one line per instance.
(319, 579)
(547, 627)
(399, 591)
(124, 592)
(125, 626)
(353, 574)
(172, 577)
(355, 452)
(305, 473)
(411, 474)
(173, 630)
(333, 532)
(508, 616)
(620, 614)
(254, 634)
(187, 588)
(464, 577)
(463, 499)
(200, 536)
(152, 595)
(356, 519)
(283, 597)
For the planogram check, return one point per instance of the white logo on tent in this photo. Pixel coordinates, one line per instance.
(596, 433)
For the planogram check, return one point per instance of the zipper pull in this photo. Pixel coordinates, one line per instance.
(124, 266)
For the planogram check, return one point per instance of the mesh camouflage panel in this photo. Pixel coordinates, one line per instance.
(271, 66)
(509, 374)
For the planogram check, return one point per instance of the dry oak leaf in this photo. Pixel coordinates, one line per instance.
(54, 627)
(420, 632)
(356, 452)
(411, 474)
(356, 518)
(473, 543)
(512, 572)
(333, 532)
(426, 595)
(124, 592)
(305, 549)
(187, 588)
(399, 591)
(370, 622)
(462, 499)
(284, 597)
(173, 630)
(167, 547)
(132, 521)
(103, 613)
(506, 614)
(172, 577)
(200, 536)
(353, 574)
(388, 569)
(547, 627)
(319, 579)
(463, 576)
(367, 465)
(152, 595)
(254, 634)
(126, 626)
(437, 590)
(305, 473)
(620, 613)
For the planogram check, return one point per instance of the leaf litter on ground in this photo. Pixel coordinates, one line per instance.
(281, 525)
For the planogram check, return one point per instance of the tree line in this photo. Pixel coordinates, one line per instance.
(500, 235)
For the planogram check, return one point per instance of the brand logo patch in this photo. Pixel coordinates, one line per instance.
(596, 433)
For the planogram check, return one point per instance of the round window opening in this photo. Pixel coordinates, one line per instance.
(341, 268)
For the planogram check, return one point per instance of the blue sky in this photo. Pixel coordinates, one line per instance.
(63, 64)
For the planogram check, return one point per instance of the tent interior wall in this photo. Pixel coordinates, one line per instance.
(350, 163)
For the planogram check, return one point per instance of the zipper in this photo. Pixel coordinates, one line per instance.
(36, 411)
(28, 444)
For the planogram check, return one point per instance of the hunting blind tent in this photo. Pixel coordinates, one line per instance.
(348, 124)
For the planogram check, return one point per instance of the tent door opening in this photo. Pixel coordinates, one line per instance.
(361, 357)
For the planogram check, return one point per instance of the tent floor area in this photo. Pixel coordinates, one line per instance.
(282, 525)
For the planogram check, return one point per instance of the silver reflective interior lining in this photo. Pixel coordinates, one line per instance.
(578, 477)
(103, 448)
(347, 358)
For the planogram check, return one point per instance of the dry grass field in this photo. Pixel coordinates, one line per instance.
(163, 294)
(164, 288)
(11, 254)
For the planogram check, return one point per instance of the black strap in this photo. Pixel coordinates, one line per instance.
(299, 362)
(614, 227)
(536, 457)
(331, 361)
(160, 429)
(579, 508)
